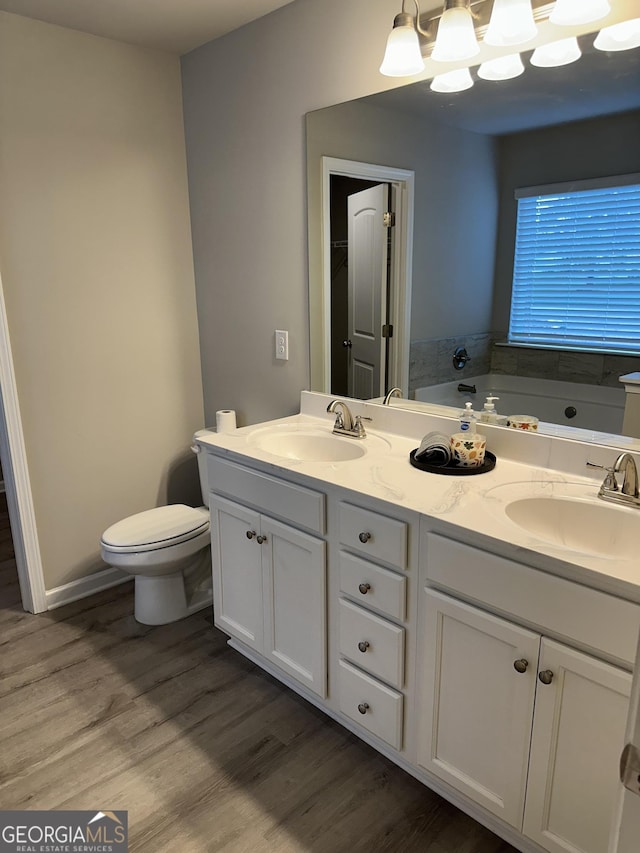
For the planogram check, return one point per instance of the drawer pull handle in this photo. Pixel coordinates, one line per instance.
(250, 534)
(521, 665)
(363, 645)
(546, 676)
(261, 539)
(364, 588)
(364, 537)
(363, 707)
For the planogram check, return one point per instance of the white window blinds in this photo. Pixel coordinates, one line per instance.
(576, 278)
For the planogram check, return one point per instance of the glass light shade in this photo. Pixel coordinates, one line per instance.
(402, 58)
(557, 53)
(456, 38)
(452, 81)
(502, 68)
(511, 23)
(624, 36)
(569, 12)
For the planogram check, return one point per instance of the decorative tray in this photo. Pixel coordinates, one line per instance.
(452, 470)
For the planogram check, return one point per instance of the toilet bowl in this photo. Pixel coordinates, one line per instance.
(167, 550)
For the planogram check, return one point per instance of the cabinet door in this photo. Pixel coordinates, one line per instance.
(237, 571)
(295, 603)
(578, 734)
(476, 707)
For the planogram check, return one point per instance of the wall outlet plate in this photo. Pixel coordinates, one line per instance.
(282, 344)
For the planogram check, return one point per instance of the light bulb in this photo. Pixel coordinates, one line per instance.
(557, 53)
(456, 38)
(402, 57)
(502, 68)
(622, 36)
(570, 12)
(452, 81)
(511, 23)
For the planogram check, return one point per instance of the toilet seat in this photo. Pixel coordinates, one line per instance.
(154, 529)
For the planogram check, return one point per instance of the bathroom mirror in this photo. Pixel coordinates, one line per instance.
(564, 124)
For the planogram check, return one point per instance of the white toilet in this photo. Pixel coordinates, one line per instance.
(167, 549)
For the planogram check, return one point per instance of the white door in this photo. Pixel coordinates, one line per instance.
(625, 837)
(367, 286)
(295, 603)
(578, 731)
(477, 695)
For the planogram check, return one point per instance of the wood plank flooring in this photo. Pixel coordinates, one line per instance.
(205, 751)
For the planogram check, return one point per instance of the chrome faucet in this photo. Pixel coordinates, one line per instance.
(395, 392)
(345, 423)
(610, 490)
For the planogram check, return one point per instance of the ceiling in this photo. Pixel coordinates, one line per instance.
(176, 26)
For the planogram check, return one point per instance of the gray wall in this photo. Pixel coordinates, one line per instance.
(245, 98)
(95, 256)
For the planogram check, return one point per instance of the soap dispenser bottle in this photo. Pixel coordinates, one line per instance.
(468, 419)
(488, 415)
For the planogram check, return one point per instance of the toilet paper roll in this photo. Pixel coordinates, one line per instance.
(225, 420)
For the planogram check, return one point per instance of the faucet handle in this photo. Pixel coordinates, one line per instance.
(610, 482)
(358, 426)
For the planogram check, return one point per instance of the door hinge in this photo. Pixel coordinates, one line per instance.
(387, 330)
(388, 219)
(630, 768)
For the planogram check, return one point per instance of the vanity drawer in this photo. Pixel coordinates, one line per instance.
(372, 643)
(373, 534)
(591, 618)
(373, 586)
(297, 504)
(371, 704)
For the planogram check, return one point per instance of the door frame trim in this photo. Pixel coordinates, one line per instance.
(403, 182)
(24, 530)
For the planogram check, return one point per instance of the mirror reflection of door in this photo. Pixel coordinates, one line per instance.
(360, 270)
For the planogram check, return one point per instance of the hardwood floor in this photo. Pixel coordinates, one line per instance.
(205, 751)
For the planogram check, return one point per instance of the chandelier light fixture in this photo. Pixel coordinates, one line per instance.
(452, 38)
(624, 36)
(502, 68)
(511, 23)
(562, 52)
(456, 39)
(568, 13)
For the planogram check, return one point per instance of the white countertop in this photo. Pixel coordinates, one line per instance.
(475, 504)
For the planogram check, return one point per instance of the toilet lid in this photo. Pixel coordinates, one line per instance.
(156, 528)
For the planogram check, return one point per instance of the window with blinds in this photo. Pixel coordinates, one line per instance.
(576, 276)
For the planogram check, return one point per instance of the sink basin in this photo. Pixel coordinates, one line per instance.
(569, 516)
(313, 444)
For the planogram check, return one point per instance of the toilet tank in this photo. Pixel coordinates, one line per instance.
(202, 463)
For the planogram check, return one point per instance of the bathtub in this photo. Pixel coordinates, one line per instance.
(597, 407)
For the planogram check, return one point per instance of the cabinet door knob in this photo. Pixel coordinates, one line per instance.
(250, 534)
(364, 537)
(363, 645)
(363, 707)
(364, 588)
(261, 539)
(546, 676)
(521, 665)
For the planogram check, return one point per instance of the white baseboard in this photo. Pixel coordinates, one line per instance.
(83, 587)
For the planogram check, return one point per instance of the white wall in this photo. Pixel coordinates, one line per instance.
(97, 271)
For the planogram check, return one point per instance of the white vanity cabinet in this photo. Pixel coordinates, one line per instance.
(270, 577)
(528, 727)
(372, 612)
